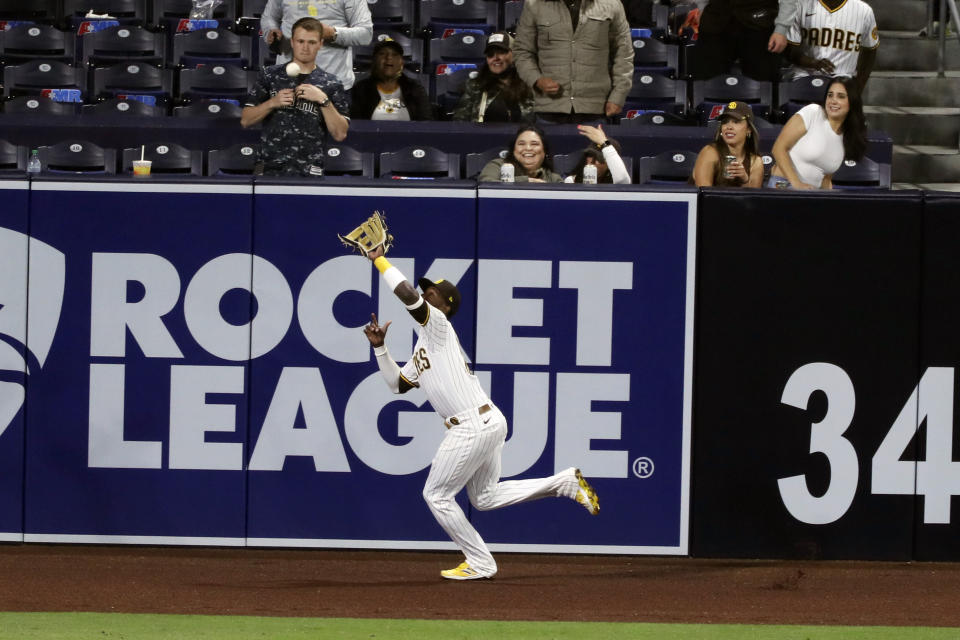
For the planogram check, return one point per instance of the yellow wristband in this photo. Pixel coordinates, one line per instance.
(382, 264)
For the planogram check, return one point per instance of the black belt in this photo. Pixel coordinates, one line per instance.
(452, 422)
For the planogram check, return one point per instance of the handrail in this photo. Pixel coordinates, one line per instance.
(942, 32)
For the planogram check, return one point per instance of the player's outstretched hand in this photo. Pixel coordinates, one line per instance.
(374, 332)
(376, 253)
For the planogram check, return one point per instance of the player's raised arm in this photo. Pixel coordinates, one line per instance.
(400, 286)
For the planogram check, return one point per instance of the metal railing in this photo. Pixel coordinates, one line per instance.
(942, 30)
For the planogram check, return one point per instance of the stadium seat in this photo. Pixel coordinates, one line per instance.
(211, 46)
(125, 11)
(347, 161)
(47, 11)
(13, 157)
(639, 118)
(169, 13)
(121, 108)
(252, 8)
(208, 109)
(709, 96)
(511, 14)
(166, 158)
(216, 81)
(447, 88)
(419, 161)
(798, 93)
(78, 156)
(655, 56)
(475, 162)
(863, 174)
(39, 105)
(396, 15)
(122, 43)
(236, 160)
(656, 93)
(412, 51)
(34, 42)
(669, 167)
(133, 78)
(57, 80)
(436, 16)
(456, 48)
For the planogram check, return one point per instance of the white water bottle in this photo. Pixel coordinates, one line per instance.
(34, 166)
(589, 174)
(506, 172)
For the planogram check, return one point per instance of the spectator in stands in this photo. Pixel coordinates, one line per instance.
(530, 157)
(297, 113)
(497, 94)
(578, 57)
(388, 94)
(833, 37)
(819, 137)
(346, 23)
(736, 138)
(751, 31)
(604, 154)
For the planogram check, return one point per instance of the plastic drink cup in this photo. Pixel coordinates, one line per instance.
(141, 168)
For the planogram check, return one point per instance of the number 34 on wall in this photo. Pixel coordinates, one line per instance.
(937, 478)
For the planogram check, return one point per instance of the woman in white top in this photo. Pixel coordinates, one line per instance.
(604, 154)
(818, 138)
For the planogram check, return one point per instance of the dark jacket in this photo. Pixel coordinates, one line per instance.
(759, 15)
(366, 98)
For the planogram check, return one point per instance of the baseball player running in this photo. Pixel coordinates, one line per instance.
(476, 429)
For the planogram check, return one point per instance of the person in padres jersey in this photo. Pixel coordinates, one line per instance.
(834, 37)
(476, 429)
(297, 113)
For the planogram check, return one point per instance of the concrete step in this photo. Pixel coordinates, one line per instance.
(917, 125)
(906, 51)
(925, 164)
(913, 89)
(931, 186)
(900, 14)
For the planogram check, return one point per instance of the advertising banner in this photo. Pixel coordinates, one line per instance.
(808, 362)
(585, 327)
(137, 422)
(14, 252)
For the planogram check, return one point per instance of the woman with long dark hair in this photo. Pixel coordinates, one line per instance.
(818, 138)
(733, 158)
(604, 154)
(529, 153)
(497, 94)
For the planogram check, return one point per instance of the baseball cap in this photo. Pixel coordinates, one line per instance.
(499, 40)
(387, 41)
(447, 289)
(738, 110)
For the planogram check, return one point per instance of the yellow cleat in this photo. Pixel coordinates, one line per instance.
(462, 572)
(586, 495)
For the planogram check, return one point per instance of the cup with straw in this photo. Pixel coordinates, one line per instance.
(141, 167)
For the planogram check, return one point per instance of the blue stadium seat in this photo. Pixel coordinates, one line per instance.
(13, 157)
(709, 96)
(458, 47)
(475, 162)
(56, 80)
(78, 156)
(669, 167)
(447, 88)
(863, 174)
(798, 93)
(641, 118)
(652, 55)
(216, 81)
(208, 109)
(236, 160)
(122, 108)
(511, 14)
(36, 41)
(170, 12)
(47, 11)
(395, 15)
(211, 46)
(419, 161)
(347, 161)
(39, 105)
(436, 16)
(653, 92)
(133, 78)
(122, 43)
(166, 158)
(125, 11)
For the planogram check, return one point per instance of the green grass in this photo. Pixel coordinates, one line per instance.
(116, 626)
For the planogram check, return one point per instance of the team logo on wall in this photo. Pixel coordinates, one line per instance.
(21, 256)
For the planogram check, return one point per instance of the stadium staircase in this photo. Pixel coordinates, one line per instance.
(907, 98)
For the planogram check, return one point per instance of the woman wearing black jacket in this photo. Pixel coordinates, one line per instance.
(387, 94)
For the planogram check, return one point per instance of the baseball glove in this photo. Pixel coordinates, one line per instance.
(369, 235)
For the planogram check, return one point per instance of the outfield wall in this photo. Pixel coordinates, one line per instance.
(741, 376)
